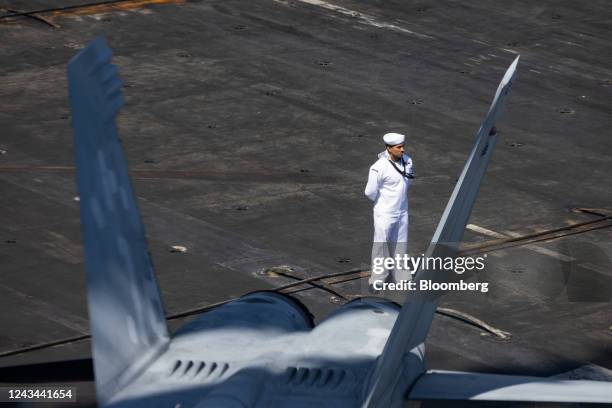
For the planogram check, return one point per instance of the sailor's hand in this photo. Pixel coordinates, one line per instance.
(493, 131)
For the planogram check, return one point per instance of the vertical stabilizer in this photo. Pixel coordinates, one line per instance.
(126, 315)
(391, 377)
(459, 207)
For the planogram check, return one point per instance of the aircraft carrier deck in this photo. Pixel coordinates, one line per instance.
(249, 128)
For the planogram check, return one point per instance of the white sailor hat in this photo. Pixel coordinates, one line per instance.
(393, 139)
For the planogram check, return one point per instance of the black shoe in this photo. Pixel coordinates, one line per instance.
(373, 291)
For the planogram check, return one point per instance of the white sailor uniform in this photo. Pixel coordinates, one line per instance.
(387, 187)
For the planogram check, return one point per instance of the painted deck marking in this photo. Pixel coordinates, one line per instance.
(361, 17)
(532, 247)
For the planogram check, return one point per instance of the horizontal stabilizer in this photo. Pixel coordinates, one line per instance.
(126, 316)
(450, 385)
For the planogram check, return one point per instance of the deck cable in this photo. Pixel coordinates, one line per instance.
(485, 247)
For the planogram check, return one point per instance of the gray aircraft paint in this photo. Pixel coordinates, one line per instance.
(260, 350)
(127, 320)
(417, 313)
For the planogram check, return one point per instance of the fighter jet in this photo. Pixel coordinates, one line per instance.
(261, 350)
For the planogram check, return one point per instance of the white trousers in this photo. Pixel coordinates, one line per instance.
(390, 240)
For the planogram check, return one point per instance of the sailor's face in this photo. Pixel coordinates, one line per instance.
(396, 151)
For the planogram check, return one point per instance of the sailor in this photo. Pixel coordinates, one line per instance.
(388, 183)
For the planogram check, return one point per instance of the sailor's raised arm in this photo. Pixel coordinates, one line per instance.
(371, 190)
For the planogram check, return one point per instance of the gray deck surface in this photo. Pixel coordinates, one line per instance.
(249, 128)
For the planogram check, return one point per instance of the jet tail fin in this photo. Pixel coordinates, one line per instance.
(457, 213)
(126, 314)
(414, 320)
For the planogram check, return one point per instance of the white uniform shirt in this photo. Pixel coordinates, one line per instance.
(387, 187)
